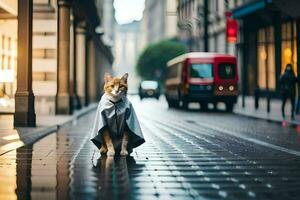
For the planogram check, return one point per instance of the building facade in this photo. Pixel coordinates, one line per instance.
(106, 11)
(160, 20)
(52, 56)
(188, 23)
(8, 54)
(266, 42)
(127, 48)
(44, 56)
(192, 16)
(269, 40)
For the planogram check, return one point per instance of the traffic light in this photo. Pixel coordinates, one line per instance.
(231, 29)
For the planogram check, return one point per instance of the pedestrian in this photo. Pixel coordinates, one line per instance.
(287, 85)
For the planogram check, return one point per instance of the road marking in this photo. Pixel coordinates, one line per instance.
(232, 133)
(237, 135)
(253, 140)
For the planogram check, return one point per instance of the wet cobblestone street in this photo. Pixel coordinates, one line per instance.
(183, 158)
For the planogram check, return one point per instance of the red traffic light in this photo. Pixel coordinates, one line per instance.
(231, 30)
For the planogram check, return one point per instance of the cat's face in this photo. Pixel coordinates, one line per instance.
(115, 87)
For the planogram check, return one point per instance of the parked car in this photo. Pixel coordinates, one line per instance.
(202, 77)
(149, 89)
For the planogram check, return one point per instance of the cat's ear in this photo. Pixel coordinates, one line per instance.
(125, 77)
(107, 77)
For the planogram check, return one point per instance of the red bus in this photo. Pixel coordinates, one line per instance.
(202, 77)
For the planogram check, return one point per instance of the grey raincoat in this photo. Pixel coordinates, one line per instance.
(117, 117)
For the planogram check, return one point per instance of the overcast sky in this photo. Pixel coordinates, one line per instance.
(128, 10)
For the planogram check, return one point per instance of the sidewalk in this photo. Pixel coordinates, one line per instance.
(261, 112)
(11, 138)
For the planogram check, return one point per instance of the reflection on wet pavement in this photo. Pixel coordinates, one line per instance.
(180, 160)
(64, 165)
(113, 177)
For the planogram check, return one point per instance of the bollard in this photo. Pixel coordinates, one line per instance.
(256, 98)
(268, 102)
(297, 105)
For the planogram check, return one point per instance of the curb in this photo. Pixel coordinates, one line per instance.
(35, 135)
(277, 121)
(79, 113)
(40, 132)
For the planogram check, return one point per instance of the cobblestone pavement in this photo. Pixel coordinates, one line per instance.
(187, 155)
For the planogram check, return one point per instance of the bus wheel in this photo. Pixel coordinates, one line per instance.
(176, 104)
(229, 107)
(185, 104)
(173, 103)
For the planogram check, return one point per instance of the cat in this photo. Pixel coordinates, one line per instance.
(116, 126)
(116, 89)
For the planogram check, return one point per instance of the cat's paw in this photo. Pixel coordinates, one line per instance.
(103, 150)
(110, 153)
(124, 153)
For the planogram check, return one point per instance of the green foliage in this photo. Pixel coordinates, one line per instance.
(152, 62)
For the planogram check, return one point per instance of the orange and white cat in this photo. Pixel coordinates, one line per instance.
(116, 126)
(116, 89)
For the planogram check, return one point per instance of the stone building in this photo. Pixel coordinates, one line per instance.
(160, 20)
(52, 57)
(8, 54)
(191, 23)
(127, 49)
(269, 39)
(106, 12)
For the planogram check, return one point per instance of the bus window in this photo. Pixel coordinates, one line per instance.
(226, 71)
(201, 70)
(172, 71)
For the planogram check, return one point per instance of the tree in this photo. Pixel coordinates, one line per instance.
(152, 62)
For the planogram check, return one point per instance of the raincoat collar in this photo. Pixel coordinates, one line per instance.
(115, 102)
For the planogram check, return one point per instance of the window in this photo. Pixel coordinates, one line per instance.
(149, 85)
(201, 71)
(226, 71)
(265, 58)
(289, 46)
(172, 71)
